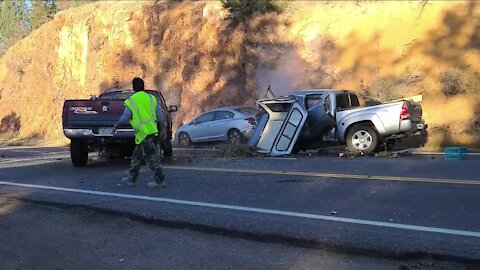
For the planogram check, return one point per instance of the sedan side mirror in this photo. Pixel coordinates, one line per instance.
(172, 108)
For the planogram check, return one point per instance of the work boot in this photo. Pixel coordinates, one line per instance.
(128, 182)
(158, 183)
(154, 184)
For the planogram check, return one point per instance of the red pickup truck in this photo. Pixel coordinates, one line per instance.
(88, 124)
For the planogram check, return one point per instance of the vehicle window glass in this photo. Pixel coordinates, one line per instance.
(279, 107)
(247, 110)
(343, 102)
(115, 95)
(327, 104)
(312, 101)
(160, 100)
(205, 118)
(354, 102)
(222, 115)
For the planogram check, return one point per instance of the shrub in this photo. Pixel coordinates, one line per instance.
(452, 82)
(241, 10)
(385, 90)
(472, 84)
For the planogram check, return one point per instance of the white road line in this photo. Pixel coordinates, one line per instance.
(254, 210)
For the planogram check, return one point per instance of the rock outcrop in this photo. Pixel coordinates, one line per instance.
(188, 51)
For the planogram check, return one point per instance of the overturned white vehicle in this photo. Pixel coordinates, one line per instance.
(331, 117)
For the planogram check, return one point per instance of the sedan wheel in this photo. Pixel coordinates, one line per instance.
(234, 136)
(184, 139)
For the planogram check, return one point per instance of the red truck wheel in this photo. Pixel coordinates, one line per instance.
(79, 153)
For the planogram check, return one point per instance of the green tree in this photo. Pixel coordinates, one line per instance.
(13, 25)
(42, 11)
(17, 19)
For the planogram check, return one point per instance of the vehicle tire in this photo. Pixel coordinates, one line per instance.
(362, 138)
(79, 153)
(184, 139)
(234, 136)
(167, 149)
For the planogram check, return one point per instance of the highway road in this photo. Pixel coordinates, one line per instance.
(400, 209)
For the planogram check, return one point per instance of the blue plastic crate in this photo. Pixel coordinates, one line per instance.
(456, 153)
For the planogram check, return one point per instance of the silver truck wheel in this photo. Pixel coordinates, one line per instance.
(362, 138)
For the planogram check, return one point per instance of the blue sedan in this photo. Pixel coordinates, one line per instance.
(229, 124)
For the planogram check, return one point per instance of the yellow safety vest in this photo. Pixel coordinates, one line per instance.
(144, 118)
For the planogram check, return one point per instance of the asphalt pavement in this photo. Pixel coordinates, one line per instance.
(398, 208)
(36, 236)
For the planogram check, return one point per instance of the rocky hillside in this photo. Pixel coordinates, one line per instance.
(190, 53)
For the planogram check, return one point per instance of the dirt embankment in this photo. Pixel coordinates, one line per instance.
(182, 49)
(188, 51)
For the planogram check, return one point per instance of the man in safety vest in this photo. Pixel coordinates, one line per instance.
(143, 112)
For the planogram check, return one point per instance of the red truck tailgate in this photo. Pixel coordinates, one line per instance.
(91, 113)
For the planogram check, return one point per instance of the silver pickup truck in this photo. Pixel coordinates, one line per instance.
(306, 118)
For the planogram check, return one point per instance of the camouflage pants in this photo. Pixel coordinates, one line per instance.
(147, 150)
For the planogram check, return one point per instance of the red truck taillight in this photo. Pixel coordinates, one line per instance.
(64, 115)
(404, 113)
(251, 120)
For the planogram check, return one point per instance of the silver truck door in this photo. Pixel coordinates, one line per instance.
(320, 120)
(286, 117)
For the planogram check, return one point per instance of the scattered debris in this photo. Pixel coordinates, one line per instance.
(404, 153)
(382, 154)
(237, 150)
(351, 154)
